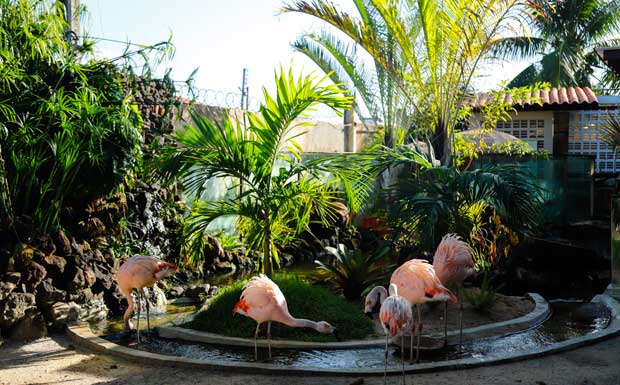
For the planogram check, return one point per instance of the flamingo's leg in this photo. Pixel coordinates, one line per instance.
(460, 320)
(138, 321)
(148, 322)
(402, 352)
(255, 337)
(417, 351)
(385, 355)
(445, 323)
(269, 337)
(412, 336)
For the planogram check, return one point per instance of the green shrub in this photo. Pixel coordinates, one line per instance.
(304, 301)
(481, 299)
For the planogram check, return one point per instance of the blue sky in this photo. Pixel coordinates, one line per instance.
(221, 37)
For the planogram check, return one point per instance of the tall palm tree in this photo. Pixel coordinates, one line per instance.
(564, 34)
(281, 191)
(429, 49)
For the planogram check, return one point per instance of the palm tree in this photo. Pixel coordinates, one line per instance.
(564, 34)
(429, 49)
(281, 191)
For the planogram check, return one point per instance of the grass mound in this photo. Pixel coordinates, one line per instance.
(304, 301)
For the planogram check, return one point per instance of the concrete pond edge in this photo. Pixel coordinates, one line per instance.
(81, 335)
(540, 313)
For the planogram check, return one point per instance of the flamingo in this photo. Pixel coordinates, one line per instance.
(262, 300)
(395, 315)
(417, 282)
(137, 273)
(453, 264)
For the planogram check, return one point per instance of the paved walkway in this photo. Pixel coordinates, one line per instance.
(55, 361)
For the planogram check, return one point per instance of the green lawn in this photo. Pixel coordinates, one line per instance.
(304, 301)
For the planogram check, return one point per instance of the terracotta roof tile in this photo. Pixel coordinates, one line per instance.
(554, 96)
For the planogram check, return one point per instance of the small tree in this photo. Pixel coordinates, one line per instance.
(280, 190)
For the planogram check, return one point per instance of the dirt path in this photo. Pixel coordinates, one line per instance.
(55, 361)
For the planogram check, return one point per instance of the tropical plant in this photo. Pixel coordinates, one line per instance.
(69, 132)
(436, 201)
(563, 36)
(280, 190)
(482, 298)
(429, 50)
(611, 131)
(353, 271)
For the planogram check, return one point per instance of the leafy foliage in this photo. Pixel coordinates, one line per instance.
(565, 33)
(441, 200)
(304, 301)
(611, 131)
(353, 271)
(280, 190)
(482, 298)
(68, 133)
(425, 54)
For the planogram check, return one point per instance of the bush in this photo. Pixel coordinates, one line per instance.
(304, 301)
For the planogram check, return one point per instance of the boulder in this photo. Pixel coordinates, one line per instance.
(54, 265)
(196, 291)
(16, 307)
(89, 277)
(33, 275)
(47, 293)
(94, 309)
(8, 283)
(62, 313)
(46, 244)
(176, 291)
(76, 247)
(76, 280)
(29, 328)
(63, 245)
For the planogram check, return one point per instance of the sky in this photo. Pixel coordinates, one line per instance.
(219, 37)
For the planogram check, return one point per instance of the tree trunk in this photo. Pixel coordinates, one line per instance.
(6, 211)
(267, 268)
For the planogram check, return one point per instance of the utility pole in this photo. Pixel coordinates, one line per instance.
(245, 91)
(72, 16)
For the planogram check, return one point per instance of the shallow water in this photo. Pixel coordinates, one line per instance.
(568, 320)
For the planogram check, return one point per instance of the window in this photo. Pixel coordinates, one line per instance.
(584, 131)
(531, 131)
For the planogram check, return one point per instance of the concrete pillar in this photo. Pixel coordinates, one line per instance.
(350, 134)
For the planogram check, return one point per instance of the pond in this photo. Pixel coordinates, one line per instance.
(568, 320)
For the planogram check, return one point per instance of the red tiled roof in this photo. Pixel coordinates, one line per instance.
(554, 96)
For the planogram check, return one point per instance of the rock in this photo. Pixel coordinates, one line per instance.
(62, 313)
(33, 275)
(77, 280)
(47, 293)
(54, 265)
(8, 283)
(29, 328)
(100, 243)
(213, 290)
(82, 296)
(94, 309)
(195, 291)
(77, 248)
(63, 245)
(24, 256)
(46, 244)
(89, 277)
(176, 291)
(16, 307)
(98, 256)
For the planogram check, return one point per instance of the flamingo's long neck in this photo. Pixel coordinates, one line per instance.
(286, 318)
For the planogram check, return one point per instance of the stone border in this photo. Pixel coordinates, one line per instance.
(83, 336)
(540, 313)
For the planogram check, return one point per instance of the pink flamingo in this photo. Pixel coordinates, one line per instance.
(263, 301)
(417, 282)
(453, 264)
(395, 315)
(137, 273)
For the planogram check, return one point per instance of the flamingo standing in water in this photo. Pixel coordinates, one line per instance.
(137, 273)
(453, 264)
(395, 315)
(417, 282)
(262, 300)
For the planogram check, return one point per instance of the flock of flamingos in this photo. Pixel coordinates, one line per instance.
(415, 282)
